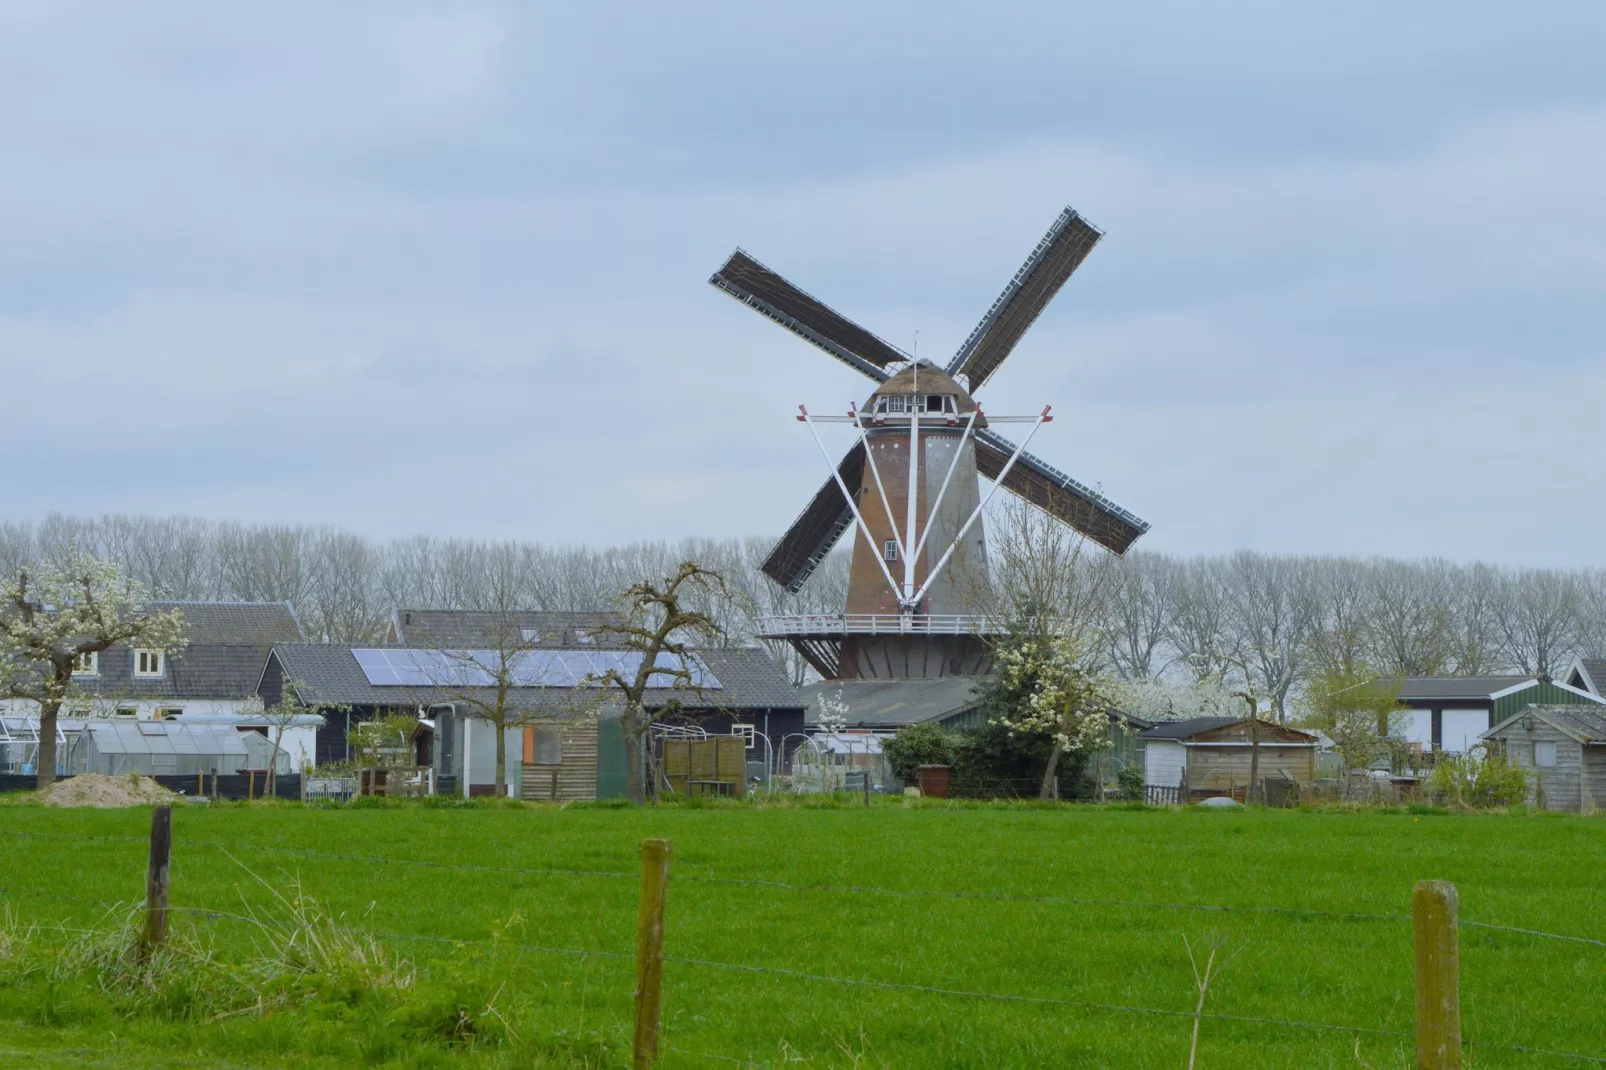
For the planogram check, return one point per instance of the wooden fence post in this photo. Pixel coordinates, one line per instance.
(156, 878)
(650, 951)
(1438, 996)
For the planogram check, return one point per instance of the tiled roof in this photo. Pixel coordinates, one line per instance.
(1594, 674)
(1420, 688)
(480, 629)
(228, 643)
(328, 673)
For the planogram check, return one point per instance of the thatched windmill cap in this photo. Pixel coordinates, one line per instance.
(925, 377)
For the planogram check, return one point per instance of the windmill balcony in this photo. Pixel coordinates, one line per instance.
(824, 624)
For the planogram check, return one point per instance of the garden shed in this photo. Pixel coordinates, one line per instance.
(1562, 750)
(1206, 756)
(152, 748)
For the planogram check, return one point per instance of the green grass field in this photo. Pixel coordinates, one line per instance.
(559, 1010)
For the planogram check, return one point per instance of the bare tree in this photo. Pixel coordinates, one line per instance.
(1537, 614)
(1272, 610)
(658, 625)
(1137, 609)
(1410, 617)
(486, 681)
(1199, 626)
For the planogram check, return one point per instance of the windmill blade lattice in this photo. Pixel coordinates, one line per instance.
(761, 289)
(1060, 253)
(1058, 495)
(817, 528)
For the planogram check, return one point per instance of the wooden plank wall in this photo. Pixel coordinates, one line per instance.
(573, 781)
(1218, 768)
(722, 758)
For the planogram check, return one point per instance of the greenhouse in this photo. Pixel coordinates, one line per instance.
(151, 748)
(19, 744)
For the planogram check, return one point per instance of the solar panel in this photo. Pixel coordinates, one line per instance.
(396, 667)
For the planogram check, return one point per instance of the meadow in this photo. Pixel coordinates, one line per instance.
(515, 926)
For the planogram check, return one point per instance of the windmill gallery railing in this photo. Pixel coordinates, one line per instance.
(877, 624)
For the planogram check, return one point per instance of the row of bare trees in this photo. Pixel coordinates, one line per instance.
(1276, 620)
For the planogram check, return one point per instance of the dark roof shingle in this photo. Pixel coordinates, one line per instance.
(328, 673)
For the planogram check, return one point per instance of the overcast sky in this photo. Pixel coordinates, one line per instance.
(442, 267)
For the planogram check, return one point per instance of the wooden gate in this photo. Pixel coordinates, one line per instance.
(713, 766)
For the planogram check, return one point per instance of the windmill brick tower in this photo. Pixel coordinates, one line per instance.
(909, 484)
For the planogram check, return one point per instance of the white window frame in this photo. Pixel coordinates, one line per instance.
(94, 664)
(1550, 746)
(125, 713)
(153, 674)
(889, 549)
(746, 731)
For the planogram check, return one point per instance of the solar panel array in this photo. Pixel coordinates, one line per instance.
(396, 667)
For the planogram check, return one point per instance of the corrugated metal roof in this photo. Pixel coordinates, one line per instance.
(162, 737)
(1420, 688)
(1186, 729)
(1584, 721)
(893, 703)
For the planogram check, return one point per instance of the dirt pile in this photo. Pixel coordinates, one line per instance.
(105, 792)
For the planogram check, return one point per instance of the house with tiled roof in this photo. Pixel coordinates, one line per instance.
(567, 744)
(214, 674)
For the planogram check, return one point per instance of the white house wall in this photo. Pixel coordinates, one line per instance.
(1163, 763)
(481, 752)
(1460, 729)
(1419, 728)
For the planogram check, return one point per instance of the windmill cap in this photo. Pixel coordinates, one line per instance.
(925, 377)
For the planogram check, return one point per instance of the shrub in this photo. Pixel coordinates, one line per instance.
(1477, 780)
(1129, 783)
(916, 745)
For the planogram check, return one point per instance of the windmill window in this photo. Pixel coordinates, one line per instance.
(889, 550)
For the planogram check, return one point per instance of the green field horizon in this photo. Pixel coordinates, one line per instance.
(945, 900)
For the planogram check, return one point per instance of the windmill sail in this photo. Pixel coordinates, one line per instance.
(1061, 252)
(817, 528)
(761, 289)
(1058, 495)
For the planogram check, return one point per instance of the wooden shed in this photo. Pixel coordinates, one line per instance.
(1207, 756)
(572, 759)
(1562, 749)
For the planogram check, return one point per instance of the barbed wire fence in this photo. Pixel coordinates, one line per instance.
(1441, 1023)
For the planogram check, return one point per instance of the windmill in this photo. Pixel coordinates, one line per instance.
(908, 485)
